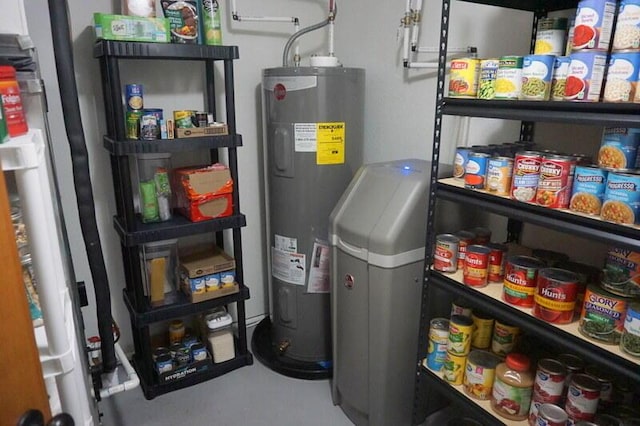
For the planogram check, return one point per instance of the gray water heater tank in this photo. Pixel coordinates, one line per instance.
(314, 123)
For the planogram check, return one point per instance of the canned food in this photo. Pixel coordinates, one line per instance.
(487, 80)
(459, 307)
(189, 340)
(555, 181)
(164, 363)
(593, 25)
(466, 239)
(509, 77)
(483, 235)
(460, 329)
(622, 77)
(504, 338)
(439, 330)
(550, 36)
(150, 124)
(622, 272)
(550, 258)
(463, 78)
(482, 328)
(559, 77)
(573, 364)
(453, 368)
(476, 266)
(572, 26)
(602, 315)
(460, 161)
(619, 148)
(476, 171)
(133, 124)
(497, 258)
(536, 77)
(521, 273)
(551, 415)
(549, 383)
(133, 97)
(198, 352)
(445, 258)
(606, 383)
(438, 340)
(183, 119)
(587, 274)
(480, 373)
(526, 173)
(627, 34)
(630, 340)
(202, 119)
(621, 199)
(608, 420)
(589, 184)
(585, 76)
(582, 398)
(582, 159)
(556, 295)
(499, 173)
(159, 351)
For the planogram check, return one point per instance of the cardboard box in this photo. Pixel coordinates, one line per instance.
(131, 28)
(198, 183)
(201, 297)
(209, 208)
(196, 132)
(206, 261)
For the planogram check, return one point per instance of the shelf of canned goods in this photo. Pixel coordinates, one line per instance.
(581, 328)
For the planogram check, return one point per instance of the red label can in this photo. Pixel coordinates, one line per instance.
(555, 181)
(445, 257)
(496, 261)
(526, 173)
(582, 398)
(556, 294)
(466, 239)
(549, 383)
(520, 277)
(476, 266)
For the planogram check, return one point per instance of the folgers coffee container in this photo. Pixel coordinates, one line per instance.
(480, 374)
(466, 239)
(556, 294)
(463, 78)
(504, 338)
(460, 329)
(559, 77)
(593, 25)
(12, 102)
(622, 77)
(550, 36)
(627, 34)
(519, 286)
(582, 398)
(621, 199)
(536, 77)
(475, 173)
(476, 266)
(460, 161)
(555, 181)
(619, 149)
(585, 76)
(497, 259)
(602, 315)
(526, 173)
(445, 258)
(509, 77)
(589, 184)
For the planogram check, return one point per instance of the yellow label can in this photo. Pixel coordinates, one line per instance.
(453, 368)
(463, 78)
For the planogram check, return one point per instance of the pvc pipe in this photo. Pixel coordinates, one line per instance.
(132, 382)
(417, 19)
(237, 17)
(331, 38)
(407, 32)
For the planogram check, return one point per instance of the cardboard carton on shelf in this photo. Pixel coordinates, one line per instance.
(218, 129)
(202, 265)
(131, 28)
(204, 192)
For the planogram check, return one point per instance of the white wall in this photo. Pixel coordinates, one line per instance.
(398, 112)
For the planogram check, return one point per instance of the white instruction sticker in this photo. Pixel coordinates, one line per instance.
(319, 272)
(286, 243)
(288, 267)
(306, 137)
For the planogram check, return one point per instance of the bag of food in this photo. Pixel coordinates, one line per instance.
(183, 20)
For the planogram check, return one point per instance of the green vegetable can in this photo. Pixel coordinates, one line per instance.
(630, 340)
(536, 77)
(487, 79)
(602, 316)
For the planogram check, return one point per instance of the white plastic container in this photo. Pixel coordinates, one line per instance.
(220, 336)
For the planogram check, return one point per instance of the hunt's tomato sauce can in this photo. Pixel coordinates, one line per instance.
(555, 181)
(556, 294)
(520, 277)
(476, 266)
(497, 257)
(526, 173)
(466, 239)
(445, 257)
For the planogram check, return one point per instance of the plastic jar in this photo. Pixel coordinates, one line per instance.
(220, 336)
(12, 102)
(513, 387)
(176, 331)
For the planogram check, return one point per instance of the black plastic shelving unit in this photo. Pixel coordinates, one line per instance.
(133, 232)
(429, 386)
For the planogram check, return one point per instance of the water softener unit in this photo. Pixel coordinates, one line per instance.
(314, 128)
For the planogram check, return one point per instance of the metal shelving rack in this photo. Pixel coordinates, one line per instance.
(429, 384)
(133, 232)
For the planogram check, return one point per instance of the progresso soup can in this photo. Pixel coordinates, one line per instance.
(621, 199)
(550, 36)
(593, 25)
(463, 78)
(622, 77)
(487, 80)
(589, 184)
(585, 76)
(536, 77)
(509, 77)
(559, 77)
(619, 149)
(627, 35)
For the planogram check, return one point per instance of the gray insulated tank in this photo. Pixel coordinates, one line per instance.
(314, 121)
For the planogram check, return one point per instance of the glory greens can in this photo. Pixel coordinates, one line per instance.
(602, 315)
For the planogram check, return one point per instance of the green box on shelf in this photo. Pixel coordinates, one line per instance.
(131, 28)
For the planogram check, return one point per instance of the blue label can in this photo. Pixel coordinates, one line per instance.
(536, 77)
(198, 352)
(621, 199)
(460, 161)
(622, 77)
(475, 174)
(589, 185)
(133, 96)
(619, 148)
(438, 340)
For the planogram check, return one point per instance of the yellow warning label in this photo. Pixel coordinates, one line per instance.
(330, 140)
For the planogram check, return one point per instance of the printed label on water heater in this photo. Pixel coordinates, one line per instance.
(288, 267)
(319, 272)
(286, 243)
(305, 136)
(330, 143)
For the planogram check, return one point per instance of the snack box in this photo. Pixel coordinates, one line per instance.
(197, 132)
(131, 28)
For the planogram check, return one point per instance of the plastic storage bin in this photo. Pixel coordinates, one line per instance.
(154, 186)
(160, 271)
(220, 336)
